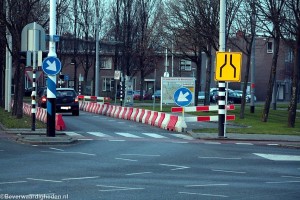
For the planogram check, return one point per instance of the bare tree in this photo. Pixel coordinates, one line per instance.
(270, 21)
(292, 27)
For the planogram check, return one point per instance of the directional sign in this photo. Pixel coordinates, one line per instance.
(228, 66)
(51, 65)
(183, 97)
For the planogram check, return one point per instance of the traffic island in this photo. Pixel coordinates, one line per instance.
(42, 139)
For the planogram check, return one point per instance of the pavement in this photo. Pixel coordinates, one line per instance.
(39, 137)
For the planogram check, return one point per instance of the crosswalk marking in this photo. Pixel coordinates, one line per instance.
(186, 137)
(99, 134)
(129, 135)
(73, 134)
(279, 157)
(154, 135)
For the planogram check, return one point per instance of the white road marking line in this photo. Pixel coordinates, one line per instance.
(65, 152)
(279, 182)
(243, 143)
(179, 142)
(146, 155)
(177, 167)
(220, 158)
(272, 144)
(228, 171)
(70, 133)
(154, 135)
(80, 178)
(212, 143)
(290, 176)
(44, 180)
(56, 149)
(138, 173)
(12, 182)
(117, 188)
(279, 157)
(85, 139)
(186, 137)
(207, 185)
(126, 159)
(200, 194)
(128, 135)
(98, 134)
(117, 140)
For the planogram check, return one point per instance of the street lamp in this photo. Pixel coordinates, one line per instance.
(73, 62)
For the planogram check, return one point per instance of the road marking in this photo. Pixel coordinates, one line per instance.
(117, 140)
(117, 188)
(126, 159)
(243, 143)
(98, 134)
(207, 185)
(290, 176)
(186, 137)
(73, 134)
(179, 142)
(201, 194)
(56, 149)
(128, 135)
(154, 135)
(12, 182)
(177, 167)
(85, 139)
(279, 157)
(279, 182)
(212, 143)
(44, 180)
(138, 173)
(228, 171)
(220, 158)
(80, 178)
(65, 152)
(272, 144)
(146, 155)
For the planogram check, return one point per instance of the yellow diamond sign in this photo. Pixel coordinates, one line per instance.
(228, 66)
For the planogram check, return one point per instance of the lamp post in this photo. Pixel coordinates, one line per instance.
(73, 62)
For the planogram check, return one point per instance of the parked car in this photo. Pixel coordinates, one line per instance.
(248, 95)
(156, 94)
(137, 94)
(27, 92)
(66, 100)
(233, 97)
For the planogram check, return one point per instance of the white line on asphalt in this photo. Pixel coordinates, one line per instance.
(117, 140)
(206, 185)
(154, 135)
(279, 182)
(177, 167)
(56, 149)
(138, 173)
(98, 134)
(80, 178)
(220, 158)
(44, 180)
(212, 143)
(12, 182)
(146, 155)
(70, 133)
(85, 139)
(272, 144)
(117, 188)
(186, 137)
(126, 159)
(179, 142)
(200, 194)
(243, 143)
(279, 157)
(228, 171)
(127, 135)
(65, 152)
(290, 176)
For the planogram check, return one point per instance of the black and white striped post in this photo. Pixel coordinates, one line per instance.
(221, 84)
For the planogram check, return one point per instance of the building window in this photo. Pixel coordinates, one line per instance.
(106, 63)
(185, 65)
(108, 84)
(270, 47)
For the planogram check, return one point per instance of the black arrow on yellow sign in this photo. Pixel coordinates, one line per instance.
(231, 64)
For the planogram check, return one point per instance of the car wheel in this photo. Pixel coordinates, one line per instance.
(75, 113)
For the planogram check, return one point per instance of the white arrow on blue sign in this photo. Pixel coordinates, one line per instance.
(51, 65)
(183, 97)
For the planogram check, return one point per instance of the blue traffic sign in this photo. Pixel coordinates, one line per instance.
(183, 97)
(51, 65)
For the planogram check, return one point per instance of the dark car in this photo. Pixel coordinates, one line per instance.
(233, 97)
(66, 100)
(156, 94)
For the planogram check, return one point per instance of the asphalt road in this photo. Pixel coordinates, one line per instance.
(133, 165)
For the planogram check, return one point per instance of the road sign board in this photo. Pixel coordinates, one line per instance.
(228, 66)
(51, 65)
(183, 97)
